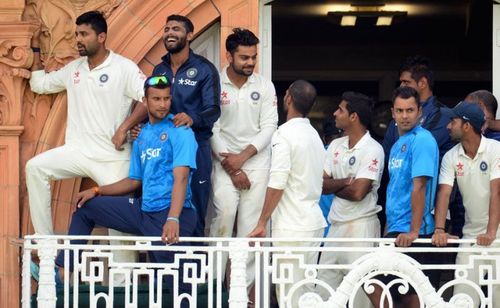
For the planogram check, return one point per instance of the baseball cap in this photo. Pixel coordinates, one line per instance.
(469, 112)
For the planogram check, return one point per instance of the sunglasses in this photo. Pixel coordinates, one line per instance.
(157, 80)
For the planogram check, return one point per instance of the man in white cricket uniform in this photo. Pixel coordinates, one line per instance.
(241, 142)
(475, 164)
(294, 189)
(352, 171)
(101, 87)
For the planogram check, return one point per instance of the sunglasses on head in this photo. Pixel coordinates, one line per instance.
(157, 80)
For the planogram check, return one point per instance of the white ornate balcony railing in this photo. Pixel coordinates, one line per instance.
(203, 272)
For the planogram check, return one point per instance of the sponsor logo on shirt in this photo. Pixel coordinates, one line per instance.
(373, 165)
(460, 169)
(76, 77)
(149, 154)
(395, 163)
(224, 100)
(187, 82)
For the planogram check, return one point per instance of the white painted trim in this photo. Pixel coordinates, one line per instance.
(496, 53)
(265, 36)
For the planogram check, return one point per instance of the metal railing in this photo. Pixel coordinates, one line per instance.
(199, 266)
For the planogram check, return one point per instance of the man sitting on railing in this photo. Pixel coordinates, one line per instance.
(163, 157)
(475, 164)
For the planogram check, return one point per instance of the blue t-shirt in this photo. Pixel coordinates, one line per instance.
(160, 148)
(414, 154)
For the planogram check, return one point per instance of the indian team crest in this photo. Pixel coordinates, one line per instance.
(163, 136)
(483, 166)
(192, 72)
(403, 148)
(255, 95)
(103, 78)
(352, 160)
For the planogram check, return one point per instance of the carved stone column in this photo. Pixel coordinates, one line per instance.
(15, 59)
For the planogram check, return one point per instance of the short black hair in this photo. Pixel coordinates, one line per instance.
(188, 25)
(418, 66)
(486, 97)
(361, 104)
(157, 85)
(240, 36)
(303, 95)
(95, 19)
(406, 93)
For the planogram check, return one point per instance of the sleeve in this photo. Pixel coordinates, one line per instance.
(372, 165)
(495, 164)
(425, 155)
(280, 162)
(327, 166)
(268, 118)
(447, 171)
(216, 143)
(135, 169)
(184, 147)
(134, 87)
(48, 83)
(390, 137)
(210, 96)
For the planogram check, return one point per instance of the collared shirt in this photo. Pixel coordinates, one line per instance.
(433, 120)
(195, 90)
(249, 115)
(297, 169)
(159, 149)
(415, 154)
(473, 176)
(99, 100)
(365, 160)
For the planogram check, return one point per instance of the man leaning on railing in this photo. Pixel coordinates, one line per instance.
(475, 164)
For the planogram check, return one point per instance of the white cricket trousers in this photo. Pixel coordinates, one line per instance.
(231, 206)
(289, 269)
(62, 163)
(366, 227)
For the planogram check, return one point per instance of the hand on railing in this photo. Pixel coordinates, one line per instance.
(170, 234)
(440, 238)
(406, 239)
(485, 239)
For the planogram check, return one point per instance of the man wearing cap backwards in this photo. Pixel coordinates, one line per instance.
(475, 164)
(163, 158)
(352, 171)
(195, 101)
(294, 187)
(241, 142)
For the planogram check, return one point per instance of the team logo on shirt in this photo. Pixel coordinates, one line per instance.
(460, 169)
(163, 136)
(483, 166)
(192, 72)
(255, 95)
(103, 78)
(403, 148)
(352, 160)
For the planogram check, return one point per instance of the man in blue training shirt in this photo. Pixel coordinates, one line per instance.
(162, 160)
(195, 101)
(413, 171)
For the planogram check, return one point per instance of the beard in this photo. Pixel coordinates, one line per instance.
(85, 51)
(242, 71)
(180, 45)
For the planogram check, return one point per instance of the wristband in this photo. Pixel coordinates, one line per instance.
(35, 49)
(440, 228)
(173, 219)
(237, 172)
(96, 190)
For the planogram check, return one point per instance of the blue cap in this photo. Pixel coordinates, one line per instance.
(469, 112)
